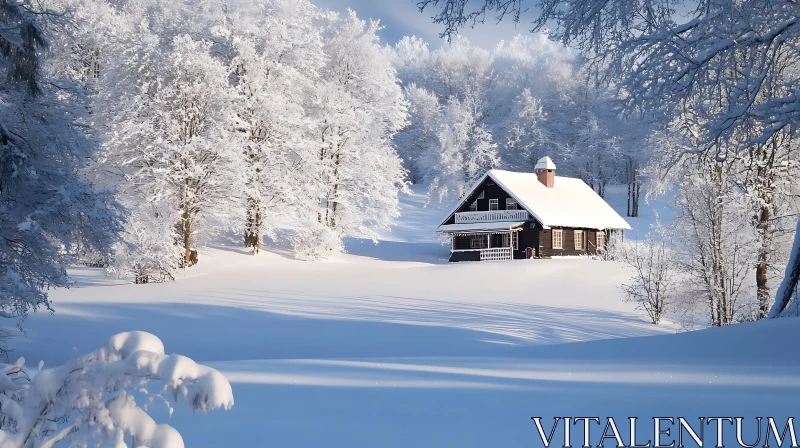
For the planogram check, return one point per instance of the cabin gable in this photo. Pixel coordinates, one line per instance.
(491, 191)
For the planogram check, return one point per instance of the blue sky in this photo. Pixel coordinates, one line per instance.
(401, 18)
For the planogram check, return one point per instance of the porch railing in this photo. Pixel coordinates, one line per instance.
(492, 216)
(496, 253)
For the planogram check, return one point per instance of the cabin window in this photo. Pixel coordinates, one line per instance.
(558, 239)
(511, 204)
(480, 196)
(601, 239)
(506, 240)
(473, 207)
(493, 204)
(478, 242)
(580, 240)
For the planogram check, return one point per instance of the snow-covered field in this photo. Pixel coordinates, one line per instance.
(390, 346)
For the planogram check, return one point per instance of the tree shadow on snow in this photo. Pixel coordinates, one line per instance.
(285, 324)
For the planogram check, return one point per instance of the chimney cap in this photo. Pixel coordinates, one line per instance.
(545, 164)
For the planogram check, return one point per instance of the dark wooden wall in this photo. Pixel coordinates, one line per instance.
(568, 235)
(528, 237)
(465, 256)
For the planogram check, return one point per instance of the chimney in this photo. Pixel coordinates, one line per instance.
(546, 171)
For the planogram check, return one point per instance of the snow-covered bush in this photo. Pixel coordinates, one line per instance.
(615, 247)
(654, 282)
(91, 400)
(317, 243)
(149, 253)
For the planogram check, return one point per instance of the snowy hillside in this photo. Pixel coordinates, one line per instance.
(391, 346)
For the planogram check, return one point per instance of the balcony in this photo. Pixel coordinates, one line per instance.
(492, 216)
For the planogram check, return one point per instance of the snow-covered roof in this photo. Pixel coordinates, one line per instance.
(570, 203)
(479, 226)
(545, 163)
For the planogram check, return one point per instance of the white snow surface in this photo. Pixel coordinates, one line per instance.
(391, 346)
(570, 203)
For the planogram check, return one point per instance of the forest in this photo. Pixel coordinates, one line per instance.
(135, 132)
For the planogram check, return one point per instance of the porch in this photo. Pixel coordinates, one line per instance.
(484, 246)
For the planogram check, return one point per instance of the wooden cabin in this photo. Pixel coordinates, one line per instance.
(513, 216)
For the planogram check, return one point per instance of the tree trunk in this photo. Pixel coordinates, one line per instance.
(319, 202)
(762, 265)
(253, 231)
(764, 183)
(141, 277)
(335, 191)
(717, 234)
(187, 238)
(633, 188)
(712, 307)
(789, 283)
(628, 210)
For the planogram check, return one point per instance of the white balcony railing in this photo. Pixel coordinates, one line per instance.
(497, 253)
(492, 216)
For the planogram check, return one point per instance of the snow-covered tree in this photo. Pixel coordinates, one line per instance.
(717, 247)
(163, 106)
(419, 143)
(716, 242)
(48, 208)
(91, 400)
(277, 55)
(358, 106)
(464, 153)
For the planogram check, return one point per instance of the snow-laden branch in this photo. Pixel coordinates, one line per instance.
(92, 399)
